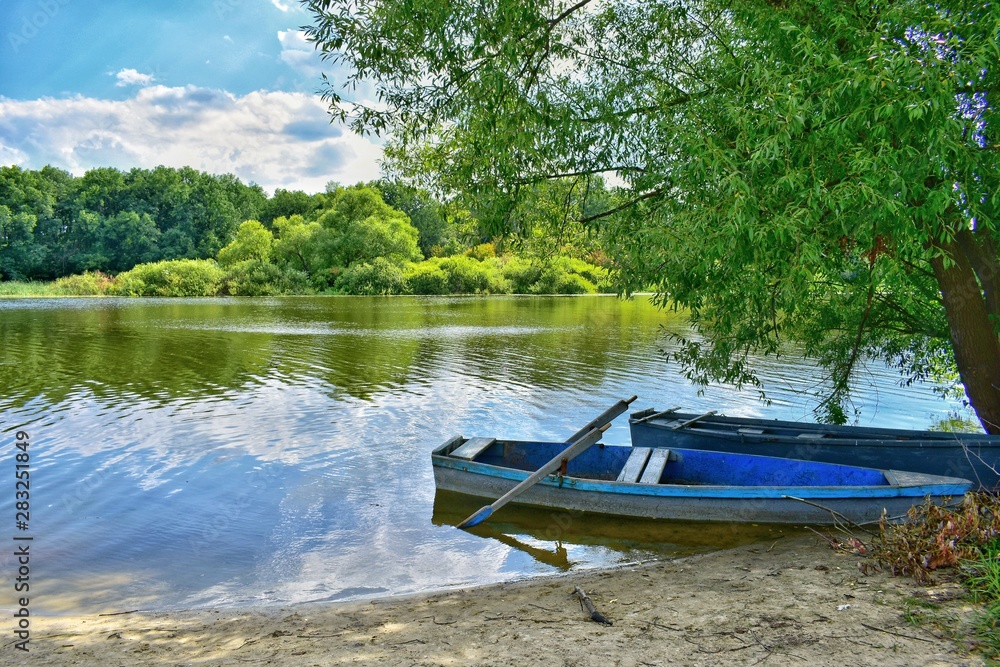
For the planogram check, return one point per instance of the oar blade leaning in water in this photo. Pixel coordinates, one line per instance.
(579, 446)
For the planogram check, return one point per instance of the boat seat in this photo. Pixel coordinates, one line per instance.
(654, 468)
(811, 436)
(472, 448)
(746, 430)
(633, 467)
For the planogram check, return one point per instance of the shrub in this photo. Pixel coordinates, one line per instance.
(90, 283)
(482, 252)
(595, 275)
(556, 280)
(255, 277)
(469, 276)
(426, 278)
(522, 274)
(379, 277)
(179, 277)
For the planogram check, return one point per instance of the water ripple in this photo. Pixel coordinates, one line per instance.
(270, 451)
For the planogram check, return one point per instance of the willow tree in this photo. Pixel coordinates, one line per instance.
(823, 171)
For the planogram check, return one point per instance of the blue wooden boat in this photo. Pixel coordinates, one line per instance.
(688, 484)
(972, 456)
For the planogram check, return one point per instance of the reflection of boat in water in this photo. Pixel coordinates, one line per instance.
(552, 536)
(973, 456)
(689, 484)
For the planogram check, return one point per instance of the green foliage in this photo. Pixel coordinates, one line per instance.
(252, 241)
(363, 227)
(18, 254)
(817, 171)
(522, 274)
(288, 203)
(425, 214)
(258, 277)
(470, 276)
(554, 281)
(426, 278)
(27, 289)
(300, 245)
(984, 576)
(482, 252)
(562, 275)
(90, 283)
(179, 277)
(109, 220)
(983, 581)
(376, 278)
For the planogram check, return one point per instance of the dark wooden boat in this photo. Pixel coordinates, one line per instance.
(967, 455)
(688, 484)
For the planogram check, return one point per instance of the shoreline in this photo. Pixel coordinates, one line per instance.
(795, 602)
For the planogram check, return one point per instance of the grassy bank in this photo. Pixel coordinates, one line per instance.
(460, 274)
(937, 545)
(19, 288)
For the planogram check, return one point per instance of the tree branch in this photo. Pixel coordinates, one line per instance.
(628, 204)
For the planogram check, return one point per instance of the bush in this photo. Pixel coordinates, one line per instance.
(379, 277)
(522, 274)
(469, 276)
(482, 252)
(90, 283)
(255, 277)
(556, 280)
(426, 278)
(179, 277)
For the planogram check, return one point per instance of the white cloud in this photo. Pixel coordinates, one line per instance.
(297, 52)
(282, 7)
(275, 139)
(131, 77)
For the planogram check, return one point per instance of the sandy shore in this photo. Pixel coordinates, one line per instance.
(796, 602)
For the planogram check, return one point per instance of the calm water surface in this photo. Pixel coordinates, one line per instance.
(190, 452)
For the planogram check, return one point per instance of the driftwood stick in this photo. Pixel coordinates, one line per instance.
(837, 516)
(120, 613)
(586, 602)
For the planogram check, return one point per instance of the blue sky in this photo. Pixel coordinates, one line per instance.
(226, 86)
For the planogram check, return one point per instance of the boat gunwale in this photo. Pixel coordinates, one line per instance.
(953, 486)
(837, 434)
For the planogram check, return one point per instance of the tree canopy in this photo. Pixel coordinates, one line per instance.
(824, 171)
(53, 224)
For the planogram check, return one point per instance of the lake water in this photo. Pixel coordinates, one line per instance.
(222, 452)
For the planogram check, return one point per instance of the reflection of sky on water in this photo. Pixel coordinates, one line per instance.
(203, 452)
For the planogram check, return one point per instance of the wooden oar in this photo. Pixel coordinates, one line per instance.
(605, 417)
(578, 447)
(691, 421)
(657, 414)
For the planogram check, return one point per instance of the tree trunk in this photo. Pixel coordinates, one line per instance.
(973, 337)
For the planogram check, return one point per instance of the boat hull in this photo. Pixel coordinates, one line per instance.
(811, 504)
(970, 456)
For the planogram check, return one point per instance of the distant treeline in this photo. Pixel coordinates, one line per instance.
(176, 232)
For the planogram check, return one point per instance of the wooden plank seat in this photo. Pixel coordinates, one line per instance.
(472, 448)
(634, 465)
(654, 467)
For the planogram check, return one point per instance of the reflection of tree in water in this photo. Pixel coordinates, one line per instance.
(164, 350)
